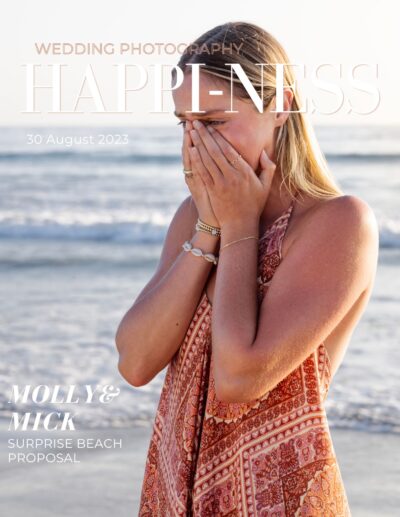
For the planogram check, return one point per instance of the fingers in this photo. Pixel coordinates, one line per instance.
(266, 162)
(187, 143)
(205, 139)
(199, 168)
(207, 168)
(213, 147)
(195, 162)
(229, 152)
(185, 149)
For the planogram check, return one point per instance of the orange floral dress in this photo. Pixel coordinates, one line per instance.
(272, 457)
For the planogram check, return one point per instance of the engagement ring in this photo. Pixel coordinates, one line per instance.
(236, 160)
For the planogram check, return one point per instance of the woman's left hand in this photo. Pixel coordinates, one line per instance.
(235, 191)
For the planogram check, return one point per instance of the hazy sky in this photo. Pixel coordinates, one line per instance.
(313, 32)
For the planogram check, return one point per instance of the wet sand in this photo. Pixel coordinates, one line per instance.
(108, 481)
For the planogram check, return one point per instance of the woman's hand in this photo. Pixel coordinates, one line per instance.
(235, 191)
(195, 183)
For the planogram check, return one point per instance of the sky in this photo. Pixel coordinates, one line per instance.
(312, 32)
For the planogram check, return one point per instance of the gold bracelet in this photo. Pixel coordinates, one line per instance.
(207, 228)
(238, 240)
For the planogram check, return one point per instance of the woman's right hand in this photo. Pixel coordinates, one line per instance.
(195, 183)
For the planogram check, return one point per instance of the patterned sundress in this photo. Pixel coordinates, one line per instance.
(272, 457)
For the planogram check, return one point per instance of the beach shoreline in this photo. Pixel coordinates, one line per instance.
(109, 481)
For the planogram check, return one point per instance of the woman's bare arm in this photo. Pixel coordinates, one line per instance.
(327, 269)
(154, 327)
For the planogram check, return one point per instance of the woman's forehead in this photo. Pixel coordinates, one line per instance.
(214, 96)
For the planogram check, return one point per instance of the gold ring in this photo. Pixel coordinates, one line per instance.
(236, 160)
(188, 173)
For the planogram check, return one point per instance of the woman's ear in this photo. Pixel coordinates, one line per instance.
(282, 116)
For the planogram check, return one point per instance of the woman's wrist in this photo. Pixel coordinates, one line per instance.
(205, 244)
(208, 228)
(208, 241)
(240, 228)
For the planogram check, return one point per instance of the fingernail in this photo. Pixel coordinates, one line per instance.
(210, 129)
(196, 124)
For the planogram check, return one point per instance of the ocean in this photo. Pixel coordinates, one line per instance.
(81, 231)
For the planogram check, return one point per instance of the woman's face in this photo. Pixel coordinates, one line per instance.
(248, 131)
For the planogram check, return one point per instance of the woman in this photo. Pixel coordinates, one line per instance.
(251, 347)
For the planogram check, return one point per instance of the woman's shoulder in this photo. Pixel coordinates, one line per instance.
(346, 216)
(347, 211)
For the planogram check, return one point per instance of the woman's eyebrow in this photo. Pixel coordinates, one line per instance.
(210, 112)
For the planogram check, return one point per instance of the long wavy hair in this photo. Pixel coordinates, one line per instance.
(298, 155)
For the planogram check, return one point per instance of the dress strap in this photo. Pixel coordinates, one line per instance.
(285, 214)
(270, 249)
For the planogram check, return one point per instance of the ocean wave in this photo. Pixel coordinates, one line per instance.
(371, 415)
(121, 156)
(368, 417)
(69, 156)
(123, 232)
(363, 157)
(389, 233)
(129, 231)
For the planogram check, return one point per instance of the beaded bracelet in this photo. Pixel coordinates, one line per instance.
(207, 228)
(197, 252)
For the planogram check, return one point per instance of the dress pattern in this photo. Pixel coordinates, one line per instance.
(271, 457)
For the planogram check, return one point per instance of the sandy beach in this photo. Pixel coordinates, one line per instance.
(108, 481)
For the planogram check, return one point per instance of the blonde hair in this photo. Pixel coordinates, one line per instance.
(302, 164)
